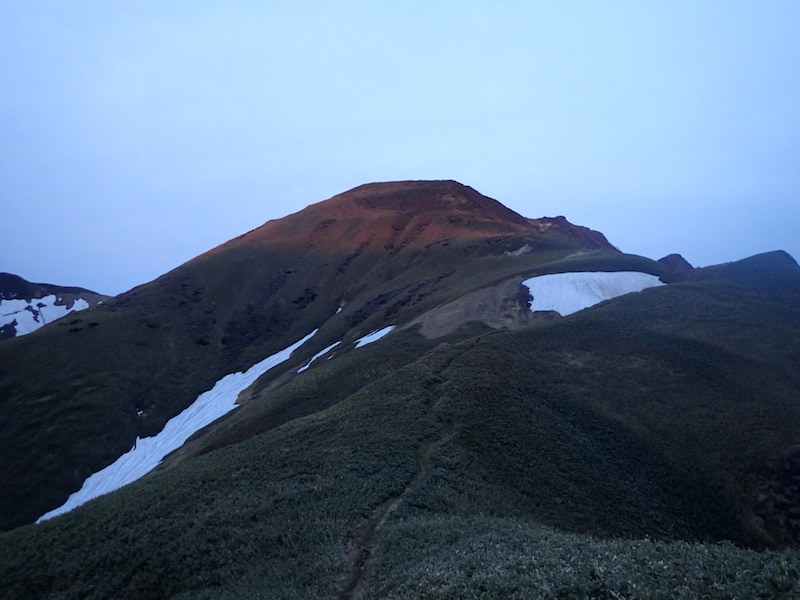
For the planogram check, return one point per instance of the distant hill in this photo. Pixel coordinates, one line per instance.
(383, 396)
(26, 306)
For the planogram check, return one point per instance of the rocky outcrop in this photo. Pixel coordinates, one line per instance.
(560, 226)
(505, 305)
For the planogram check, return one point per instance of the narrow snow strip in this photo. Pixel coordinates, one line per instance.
(567, 293)
(32, 315)
(148, 452)
(317, 355)
(374, 336)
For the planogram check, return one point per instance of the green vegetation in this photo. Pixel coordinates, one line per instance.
(157, 347)
(624, 452)
(482, 557)
(646, 448)
(277, 510)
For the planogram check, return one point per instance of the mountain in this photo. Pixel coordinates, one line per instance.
(26, 306)
(676, 262)
(409, 390)
(381, 252)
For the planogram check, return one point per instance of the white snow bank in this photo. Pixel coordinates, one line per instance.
(567, 293)
(148, 452)
(374, 336)
(317, 355)
(32, 315)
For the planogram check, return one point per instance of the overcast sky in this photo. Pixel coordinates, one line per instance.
(138, 134)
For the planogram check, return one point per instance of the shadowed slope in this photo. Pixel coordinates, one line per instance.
(385, 253)
(511, 464)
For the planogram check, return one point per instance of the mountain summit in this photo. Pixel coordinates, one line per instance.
(449, 201)
(409, 390)
(402, 215)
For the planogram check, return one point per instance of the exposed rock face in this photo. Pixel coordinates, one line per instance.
(676, 262)
(505, 305)
(389, 217)
(584, 235)
(406, 215)
(433, 197)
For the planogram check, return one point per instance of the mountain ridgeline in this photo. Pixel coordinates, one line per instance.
(481, 446)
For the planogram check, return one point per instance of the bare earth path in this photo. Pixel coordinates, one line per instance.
(361, 557)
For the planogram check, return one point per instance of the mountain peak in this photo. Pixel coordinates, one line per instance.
(676, 262)
(430, 197)
(406, 215)
(391, 216)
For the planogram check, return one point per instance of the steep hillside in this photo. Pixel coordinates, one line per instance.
(604, 454)
(363, 400)
(383, 253)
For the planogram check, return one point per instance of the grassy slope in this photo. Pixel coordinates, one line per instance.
(505, 465)
(158, 346)
(74, 388)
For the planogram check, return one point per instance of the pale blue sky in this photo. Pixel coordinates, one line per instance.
(136, 135)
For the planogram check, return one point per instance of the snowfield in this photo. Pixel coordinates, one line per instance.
(32, 315)
(567, 293)
(147, 453)
(317, 355)
(374, 336)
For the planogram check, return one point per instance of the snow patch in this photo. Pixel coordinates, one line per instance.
(147, 453)
(567, 293)
(317, 355)
(32, 315)
(374, 336)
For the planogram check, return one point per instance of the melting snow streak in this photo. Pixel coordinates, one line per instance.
(567, 293)
(317, 355)
(374, 336)
(147, 453)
